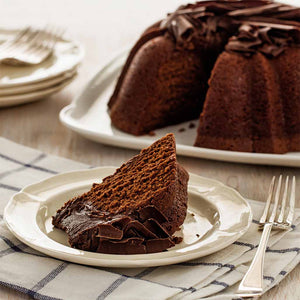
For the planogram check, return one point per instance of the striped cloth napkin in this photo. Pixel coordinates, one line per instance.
(212, 277)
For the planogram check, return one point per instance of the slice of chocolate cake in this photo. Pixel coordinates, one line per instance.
(135, 210)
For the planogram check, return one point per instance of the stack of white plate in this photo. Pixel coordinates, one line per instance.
(24, 84)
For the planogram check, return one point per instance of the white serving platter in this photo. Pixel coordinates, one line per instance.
(217, 216)
(88, 116)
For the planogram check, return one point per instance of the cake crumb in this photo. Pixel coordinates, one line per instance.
(181, 130)
(197, 235)
(192, 125)
(177, 239)
(151, 133)
(192, 214)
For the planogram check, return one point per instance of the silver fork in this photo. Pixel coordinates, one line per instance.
(29, 47)
(252, 283)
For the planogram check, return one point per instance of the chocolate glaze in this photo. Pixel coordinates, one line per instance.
(208, 18)
(137, 233)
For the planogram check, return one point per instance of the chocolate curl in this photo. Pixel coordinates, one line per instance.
(267, 38)
(138, 233)
(151, 211)
(207, 17)
(127, 246)
(258, 10)
(110, 232)
(138, 229)
(182, 29)
(154, 226)
(159, 245)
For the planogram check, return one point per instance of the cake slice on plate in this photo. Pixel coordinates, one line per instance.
(135, 210)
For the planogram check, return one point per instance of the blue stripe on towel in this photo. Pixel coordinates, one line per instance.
(27, 291)
(270, 278)
(18, 248)
(112, 287)
(295, 249)
(220, 283)
(23, 167)
(251, 246)
(49, 277)
(9, 187)
(282, 273)
(27, 165)
(15, 248)
(138, 276)
(219, 265)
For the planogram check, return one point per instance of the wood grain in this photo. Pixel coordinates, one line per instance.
(104, 27)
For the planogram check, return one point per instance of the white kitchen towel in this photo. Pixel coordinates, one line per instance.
(212, 277)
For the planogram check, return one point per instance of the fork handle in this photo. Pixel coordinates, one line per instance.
(253, 279)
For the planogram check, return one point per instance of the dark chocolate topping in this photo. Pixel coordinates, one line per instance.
(134, 233)
(267, 39)
(207, 18)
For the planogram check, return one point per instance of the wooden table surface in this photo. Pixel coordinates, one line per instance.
(103, 27)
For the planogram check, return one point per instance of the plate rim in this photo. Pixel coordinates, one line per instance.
(113, 260)
(132, 142)
(13, 100)
(43, 84)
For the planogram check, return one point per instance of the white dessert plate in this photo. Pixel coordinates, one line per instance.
(88, 116)
(36, 86)
(217, 216)
(11, 100)
(67, 55)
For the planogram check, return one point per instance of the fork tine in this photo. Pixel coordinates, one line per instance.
(7, 46)
(267, 205)
(48, 44)
(290, 216)
(277, 194)
(37, 44)
(41, 49)
(50, 37)
(34, 40)
(22, 52)
(21, 47)
(283, 203)
(15, 39)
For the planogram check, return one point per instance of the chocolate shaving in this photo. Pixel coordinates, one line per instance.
(118, 234)
(151, 211)
(127, 246)
(238, 19)
(159, 245)
(268, 40)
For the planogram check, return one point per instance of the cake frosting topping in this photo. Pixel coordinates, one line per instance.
(143, 229)
(269, 39)
(259, 26)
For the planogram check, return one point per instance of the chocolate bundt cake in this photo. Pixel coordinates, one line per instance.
(135, 210)
(237, 63)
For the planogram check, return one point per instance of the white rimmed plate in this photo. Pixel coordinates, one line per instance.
(88, 116)
(67, 55)
(11, 100)
(217, 216)
(36, 86)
